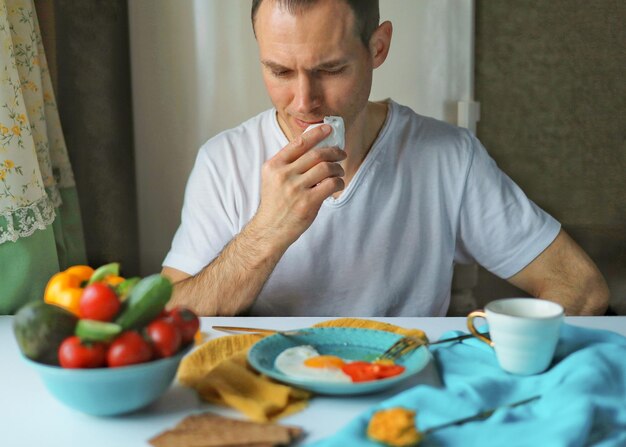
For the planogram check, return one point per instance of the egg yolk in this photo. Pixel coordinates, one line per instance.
(324, 361)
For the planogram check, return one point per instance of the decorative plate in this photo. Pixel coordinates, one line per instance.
(347, 343)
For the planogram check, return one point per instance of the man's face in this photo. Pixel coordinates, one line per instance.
(314, 64)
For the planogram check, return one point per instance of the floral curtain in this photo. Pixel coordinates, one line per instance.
(40, 225)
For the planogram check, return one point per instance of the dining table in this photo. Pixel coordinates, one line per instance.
(30, 416)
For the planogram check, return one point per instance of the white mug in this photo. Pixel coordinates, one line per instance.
(524, 332)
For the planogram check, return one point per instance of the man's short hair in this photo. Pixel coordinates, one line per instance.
(366, 13)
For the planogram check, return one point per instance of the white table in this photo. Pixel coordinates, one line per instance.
(29, 416)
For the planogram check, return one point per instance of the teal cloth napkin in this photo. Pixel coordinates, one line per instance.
(583, 397)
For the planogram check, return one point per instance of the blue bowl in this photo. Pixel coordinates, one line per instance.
(110, 391)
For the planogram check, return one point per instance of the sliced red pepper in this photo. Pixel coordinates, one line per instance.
(365, 371)
(359, 371)
(385, 371)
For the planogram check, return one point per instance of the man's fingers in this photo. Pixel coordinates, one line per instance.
(326, 188)
(318, 155)
(320, 172)
(299, 179)
(303, 143)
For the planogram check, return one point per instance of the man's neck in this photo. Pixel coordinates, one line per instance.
(361, 137)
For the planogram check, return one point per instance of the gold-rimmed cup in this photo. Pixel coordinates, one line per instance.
(524, 332)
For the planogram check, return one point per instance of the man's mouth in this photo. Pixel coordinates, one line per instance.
(304, 124)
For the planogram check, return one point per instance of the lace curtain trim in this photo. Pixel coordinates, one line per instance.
(23, 222)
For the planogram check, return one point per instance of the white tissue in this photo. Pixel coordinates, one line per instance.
(338, 135)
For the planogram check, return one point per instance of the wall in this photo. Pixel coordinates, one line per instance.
(550, 79)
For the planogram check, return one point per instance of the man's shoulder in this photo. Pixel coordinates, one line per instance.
(253, 132)
(426, 126)
(430, 135)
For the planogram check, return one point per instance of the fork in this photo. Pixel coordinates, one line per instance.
(407, 344)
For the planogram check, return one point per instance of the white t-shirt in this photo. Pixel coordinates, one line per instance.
(427, 195)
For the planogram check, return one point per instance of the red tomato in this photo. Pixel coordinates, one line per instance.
(128, 348)
(186, 321)
(164, 336)
(75, 354)
(98, 302)
(365, 371)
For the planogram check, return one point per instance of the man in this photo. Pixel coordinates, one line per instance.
(273, 226)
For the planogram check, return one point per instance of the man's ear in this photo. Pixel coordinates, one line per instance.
(380, 43)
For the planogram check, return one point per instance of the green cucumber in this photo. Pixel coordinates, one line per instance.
(146, 301)
(112, 269)
(94, 330)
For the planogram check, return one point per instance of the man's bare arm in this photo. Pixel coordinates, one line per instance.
(565, 274)
(295, 182)
(230, 283)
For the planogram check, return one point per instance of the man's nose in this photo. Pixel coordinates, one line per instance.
(306, 97)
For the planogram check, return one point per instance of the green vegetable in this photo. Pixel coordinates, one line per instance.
(112, 269)
(124, 288)
(40, 328)
(146, 301)
(94, 330)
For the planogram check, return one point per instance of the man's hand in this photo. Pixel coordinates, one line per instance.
(295, 182)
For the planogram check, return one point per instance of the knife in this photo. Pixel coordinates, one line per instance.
(257, 330)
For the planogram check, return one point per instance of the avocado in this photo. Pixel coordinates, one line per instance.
(40, 328)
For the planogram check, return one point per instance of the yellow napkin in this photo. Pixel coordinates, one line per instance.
(219, 372)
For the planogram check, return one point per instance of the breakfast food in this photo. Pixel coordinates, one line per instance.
(394, 427)
(304, 362)
(337, 137)
(208, 429)
(95, 318)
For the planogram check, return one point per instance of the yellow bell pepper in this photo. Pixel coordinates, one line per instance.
(65, 288)
(113, 280)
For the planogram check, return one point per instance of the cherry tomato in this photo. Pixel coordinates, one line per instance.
(186, 321)
(164, 336)
(365, 371)
(75, 354)
(98, 302)
(128, 348)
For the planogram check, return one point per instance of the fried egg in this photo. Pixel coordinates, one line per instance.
(304, 362)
